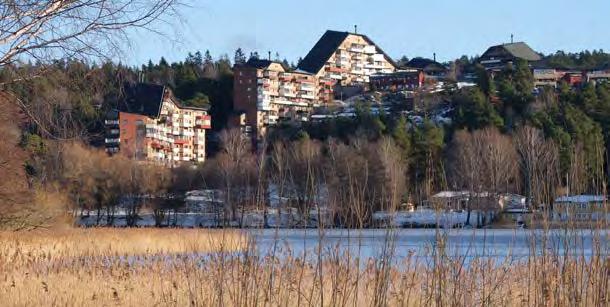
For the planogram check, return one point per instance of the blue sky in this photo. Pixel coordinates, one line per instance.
(411, 28)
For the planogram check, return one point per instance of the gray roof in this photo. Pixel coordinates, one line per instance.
(146, 99)
(523, 51)
(143, 99)
(518, 50)
(326, 46)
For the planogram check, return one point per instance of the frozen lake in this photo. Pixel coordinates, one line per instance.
(419, 243)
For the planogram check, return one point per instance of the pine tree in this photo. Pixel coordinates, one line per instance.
(240, 57)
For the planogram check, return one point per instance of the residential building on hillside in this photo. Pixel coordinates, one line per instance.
(150, 124)
(581, 208)
(545, 75)
(346, 58)
(601, 74)
(398, 81)
(265, 93)
(496, 57)
(431, 68)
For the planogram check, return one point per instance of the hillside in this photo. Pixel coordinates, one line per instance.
(14, 191)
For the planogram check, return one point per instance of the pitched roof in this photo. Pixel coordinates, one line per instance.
(322, 51)
(425, 64)
(326, 46)
(146, 99)
(142, 98)
(518, 50)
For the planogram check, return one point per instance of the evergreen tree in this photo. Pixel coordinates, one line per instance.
(240, 57)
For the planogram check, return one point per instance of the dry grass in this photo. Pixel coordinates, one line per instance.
(23, 247)
(89, 275)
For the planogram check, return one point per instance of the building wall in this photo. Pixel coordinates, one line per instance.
(580, 211)
(245, 96)
(176, 136)
(133, 134)
(272, 95)
(354, 61)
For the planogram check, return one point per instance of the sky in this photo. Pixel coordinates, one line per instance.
(449, 28)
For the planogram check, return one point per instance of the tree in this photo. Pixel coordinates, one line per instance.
(474, 110)
(538, 160)
(200, 100)
(240, 57)
(47, 30)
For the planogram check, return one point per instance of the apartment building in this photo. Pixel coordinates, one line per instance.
(150, 124)
(346, 59)
(398, 81)
(265, 94)
(496, 57)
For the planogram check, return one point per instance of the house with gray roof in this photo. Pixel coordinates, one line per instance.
(496, 57)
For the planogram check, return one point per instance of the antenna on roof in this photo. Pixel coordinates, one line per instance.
(511, 38)
(269, 52)
(355, 29)
(434, 56)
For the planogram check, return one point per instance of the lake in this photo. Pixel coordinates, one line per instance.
(502, 244)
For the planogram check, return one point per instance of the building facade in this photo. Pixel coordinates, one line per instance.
(398, 80)
(266, 94)
(346, 59)
(497, 57)
(581, 208)
(152, 125)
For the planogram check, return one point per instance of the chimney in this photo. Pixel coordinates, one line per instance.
(434, 56)
(269, 52)
(511, 38)
(355, 29)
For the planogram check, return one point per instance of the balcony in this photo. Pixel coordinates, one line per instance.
(370, 50)
(334, 69)
(111, 122)
(334, 76)
(287, 93)
(188, 133)
(307, 96)
(112, 141)
(181, 141)
(203, 122)
(307, 86)
(357, 49)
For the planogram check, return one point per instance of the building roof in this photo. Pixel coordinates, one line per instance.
(146, 99)
(580, 199)
(259, 63)
(519, 50)
(425, 64)
(142, 98)
(326, 46)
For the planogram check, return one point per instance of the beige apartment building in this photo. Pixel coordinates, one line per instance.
(266, 93)
(152, 125)
(346, 58)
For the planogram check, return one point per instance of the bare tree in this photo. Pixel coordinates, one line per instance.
(51, 29)
(539, 161)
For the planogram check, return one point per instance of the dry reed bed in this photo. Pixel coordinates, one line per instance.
(25, 247)
(226, 279)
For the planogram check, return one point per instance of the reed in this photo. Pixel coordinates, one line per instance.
(81, 268)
